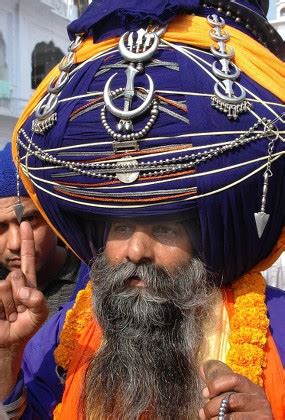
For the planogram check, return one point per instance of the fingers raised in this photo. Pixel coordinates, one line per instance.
(28, 259)
(34, 300)
(8, 307)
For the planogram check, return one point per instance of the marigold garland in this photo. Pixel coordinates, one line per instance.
(248, 326)
(75, 321)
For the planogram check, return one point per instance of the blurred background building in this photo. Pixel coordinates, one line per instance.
(279, 22)
(33, 39)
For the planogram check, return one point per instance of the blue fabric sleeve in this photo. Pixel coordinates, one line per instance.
(275, 301)
(17, 391)
(38, 371)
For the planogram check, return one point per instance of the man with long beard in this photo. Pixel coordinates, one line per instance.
(152, 306)
(153, 300)
(159, 157)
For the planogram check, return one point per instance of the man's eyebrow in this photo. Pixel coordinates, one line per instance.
(33, 212)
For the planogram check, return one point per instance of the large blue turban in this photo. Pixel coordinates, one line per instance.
(8, 175)
(193, 159)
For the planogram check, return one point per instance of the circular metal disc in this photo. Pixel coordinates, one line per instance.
(128, 177)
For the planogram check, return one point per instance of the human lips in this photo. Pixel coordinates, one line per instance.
(14, 262)
(136, 282)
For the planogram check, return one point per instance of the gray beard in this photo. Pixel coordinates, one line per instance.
(149, 360)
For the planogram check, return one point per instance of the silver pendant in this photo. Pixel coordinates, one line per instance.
(19, 211)
(261, 219)
(128, 174)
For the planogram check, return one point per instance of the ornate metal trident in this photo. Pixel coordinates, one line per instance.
(136, 50)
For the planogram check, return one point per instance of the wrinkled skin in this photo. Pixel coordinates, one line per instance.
(246, 400)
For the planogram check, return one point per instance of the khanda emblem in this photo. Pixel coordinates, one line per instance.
(136, 49)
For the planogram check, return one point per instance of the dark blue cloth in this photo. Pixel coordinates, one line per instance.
(104, 18)
(82, 279)
(8, 175)
(275, 301)
(38, 369)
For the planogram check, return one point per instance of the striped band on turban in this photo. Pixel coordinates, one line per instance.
(192, 158)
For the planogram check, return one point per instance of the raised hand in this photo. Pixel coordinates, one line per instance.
(22, 306)
(22, 311)
(245, 400)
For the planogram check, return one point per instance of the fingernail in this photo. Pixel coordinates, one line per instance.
(21, 308)
(206, 392)
(202, 414)
(24, 293)
(13, 317)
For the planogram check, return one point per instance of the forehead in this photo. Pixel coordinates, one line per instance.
(7, 207)
(146, 221)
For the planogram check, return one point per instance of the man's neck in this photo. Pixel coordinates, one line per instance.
(49, 272)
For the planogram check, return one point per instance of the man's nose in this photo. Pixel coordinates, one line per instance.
(140, 248)
(14, 238)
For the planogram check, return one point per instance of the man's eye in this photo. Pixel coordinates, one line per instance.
(3, 226)
(165, 230)
(121, 228)
(31, 219)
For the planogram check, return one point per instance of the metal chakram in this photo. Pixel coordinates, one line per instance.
(225, 98)
(136, 49)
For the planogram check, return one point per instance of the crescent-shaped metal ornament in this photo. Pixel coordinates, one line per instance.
(226, 75)
(138, 57)
(57, 83)
(127, 115)
(46, 106)
(67, 62)
(225, 36)
(229, 97)
(220, 54)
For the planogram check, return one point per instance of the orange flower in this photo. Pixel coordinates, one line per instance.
(250, 335)
(249, 325)
(76, 319)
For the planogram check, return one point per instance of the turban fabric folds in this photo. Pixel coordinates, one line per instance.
(8, 175)
(69, 168)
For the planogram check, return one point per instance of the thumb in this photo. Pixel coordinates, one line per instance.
(212, 369)
(34, 300)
